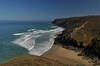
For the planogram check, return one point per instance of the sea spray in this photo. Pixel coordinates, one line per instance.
(37, 41)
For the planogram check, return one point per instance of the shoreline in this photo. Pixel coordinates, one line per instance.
(66, 56)
(56, 55)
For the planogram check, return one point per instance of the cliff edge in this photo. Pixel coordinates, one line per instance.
(30, 60)
(82, 33)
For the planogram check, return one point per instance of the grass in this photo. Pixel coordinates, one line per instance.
(30, 60)
(83, 36)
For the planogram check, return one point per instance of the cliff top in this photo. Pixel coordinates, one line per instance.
(30, 60)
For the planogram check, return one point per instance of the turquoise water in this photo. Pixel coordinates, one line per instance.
(7, 28)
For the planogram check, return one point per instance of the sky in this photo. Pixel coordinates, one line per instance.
(47, 10)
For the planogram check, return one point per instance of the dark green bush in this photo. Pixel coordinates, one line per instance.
(93, 49)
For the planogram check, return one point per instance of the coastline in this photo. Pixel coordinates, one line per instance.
(66, 56)
(56, 56)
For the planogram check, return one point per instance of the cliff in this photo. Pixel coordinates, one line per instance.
(80, 32)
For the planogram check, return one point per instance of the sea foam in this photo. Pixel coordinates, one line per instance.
(37, 41)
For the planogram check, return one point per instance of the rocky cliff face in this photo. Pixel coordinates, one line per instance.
(79, 31)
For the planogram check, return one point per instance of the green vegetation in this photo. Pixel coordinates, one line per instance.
(83, 36)
(98, 37)
(86, 32)
(93, 49)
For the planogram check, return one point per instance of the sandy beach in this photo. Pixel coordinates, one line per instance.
(66, 56)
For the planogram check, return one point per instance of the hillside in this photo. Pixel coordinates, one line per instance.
(82, 33)
(30, 60)
(82, 29)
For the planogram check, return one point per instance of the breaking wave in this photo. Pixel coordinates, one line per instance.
(37, 41)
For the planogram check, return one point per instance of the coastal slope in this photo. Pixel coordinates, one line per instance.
(56, 56)
(82, 29)
(66, 56)
(82, 33)
(30, 60)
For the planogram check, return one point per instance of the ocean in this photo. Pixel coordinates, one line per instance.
(26, 37)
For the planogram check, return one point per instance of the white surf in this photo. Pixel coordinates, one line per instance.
(37, 41)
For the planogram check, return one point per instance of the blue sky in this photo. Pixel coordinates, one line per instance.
(42, 10)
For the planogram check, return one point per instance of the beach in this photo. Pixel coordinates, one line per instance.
(66, 56)
(56, 56)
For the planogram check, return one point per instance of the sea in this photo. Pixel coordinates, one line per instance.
(26, 37)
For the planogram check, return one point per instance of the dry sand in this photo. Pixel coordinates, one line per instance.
(66, 56)
(56, 56)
